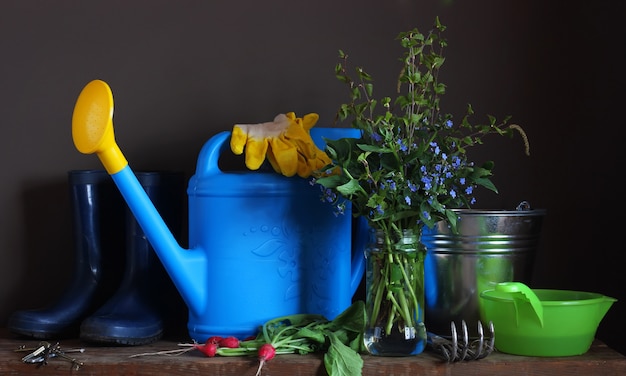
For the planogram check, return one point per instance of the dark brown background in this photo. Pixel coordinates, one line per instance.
(183, 70)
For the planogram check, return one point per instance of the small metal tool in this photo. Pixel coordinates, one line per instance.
(45, 351)
(456, 348)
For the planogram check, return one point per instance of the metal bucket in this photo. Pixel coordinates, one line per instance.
(491, 246)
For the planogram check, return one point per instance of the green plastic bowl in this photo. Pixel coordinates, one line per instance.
(536, 322)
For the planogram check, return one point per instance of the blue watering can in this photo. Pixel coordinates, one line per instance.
(261, 245)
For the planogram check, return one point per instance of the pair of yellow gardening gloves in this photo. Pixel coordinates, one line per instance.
(285, 142)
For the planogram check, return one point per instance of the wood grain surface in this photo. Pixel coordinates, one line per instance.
(104, 360)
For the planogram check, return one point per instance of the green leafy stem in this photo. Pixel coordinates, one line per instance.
(398, 281)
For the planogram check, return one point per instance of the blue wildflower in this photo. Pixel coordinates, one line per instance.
(435, 147)
(402, 145)
(330, 196)
(428, 183)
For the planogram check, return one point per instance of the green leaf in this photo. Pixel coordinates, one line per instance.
(374, 148)
(487, 184)
(332, 181)
(313, 335)
(357, 343)
(488, 165)
(341, 334)
(352, 318)
(341, 360)
(451, 217)
(349, 188)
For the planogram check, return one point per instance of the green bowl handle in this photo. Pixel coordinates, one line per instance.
(522, 294)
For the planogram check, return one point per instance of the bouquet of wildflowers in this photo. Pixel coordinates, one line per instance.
(409, 169)
(410, 166)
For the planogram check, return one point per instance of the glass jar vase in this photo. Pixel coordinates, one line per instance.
(394, 298)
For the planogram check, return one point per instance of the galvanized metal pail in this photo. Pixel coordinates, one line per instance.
(491, 246)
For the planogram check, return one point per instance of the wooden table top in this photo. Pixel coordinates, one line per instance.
(105, 360)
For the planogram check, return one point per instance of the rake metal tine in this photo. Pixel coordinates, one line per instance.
(450, 351)
(492, 340)
(455, 342)
(441, 346)
(480, 342)
(466, 343)
(446, 353)
(489, 346)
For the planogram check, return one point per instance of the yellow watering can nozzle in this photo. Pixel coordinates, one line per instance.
(92, 125)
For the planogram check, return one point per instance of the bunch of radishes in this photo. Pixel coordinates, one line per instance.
(341, 338)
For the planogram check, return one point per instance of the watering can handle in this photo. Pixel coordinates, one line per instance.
(210, 154)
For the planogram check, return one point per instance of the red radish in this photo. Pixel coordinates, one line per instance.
(214, 339)
(230, 342)
(210, 349)
(266, 353)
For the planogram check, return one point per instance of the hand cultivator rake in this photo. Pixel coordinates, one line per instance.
(457, 347)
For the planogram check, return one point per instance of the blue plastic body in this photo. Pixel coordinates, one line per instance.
(261, 245)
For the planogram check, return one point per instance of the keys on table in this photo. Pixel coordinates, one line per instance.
(45, 351)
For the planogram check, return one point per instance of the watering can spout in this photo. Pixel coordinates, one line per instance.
(92, 132)
(186, 267)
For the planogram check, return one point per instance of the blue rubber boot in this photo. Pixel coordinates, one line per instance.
(98, 231)
(146, 301)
